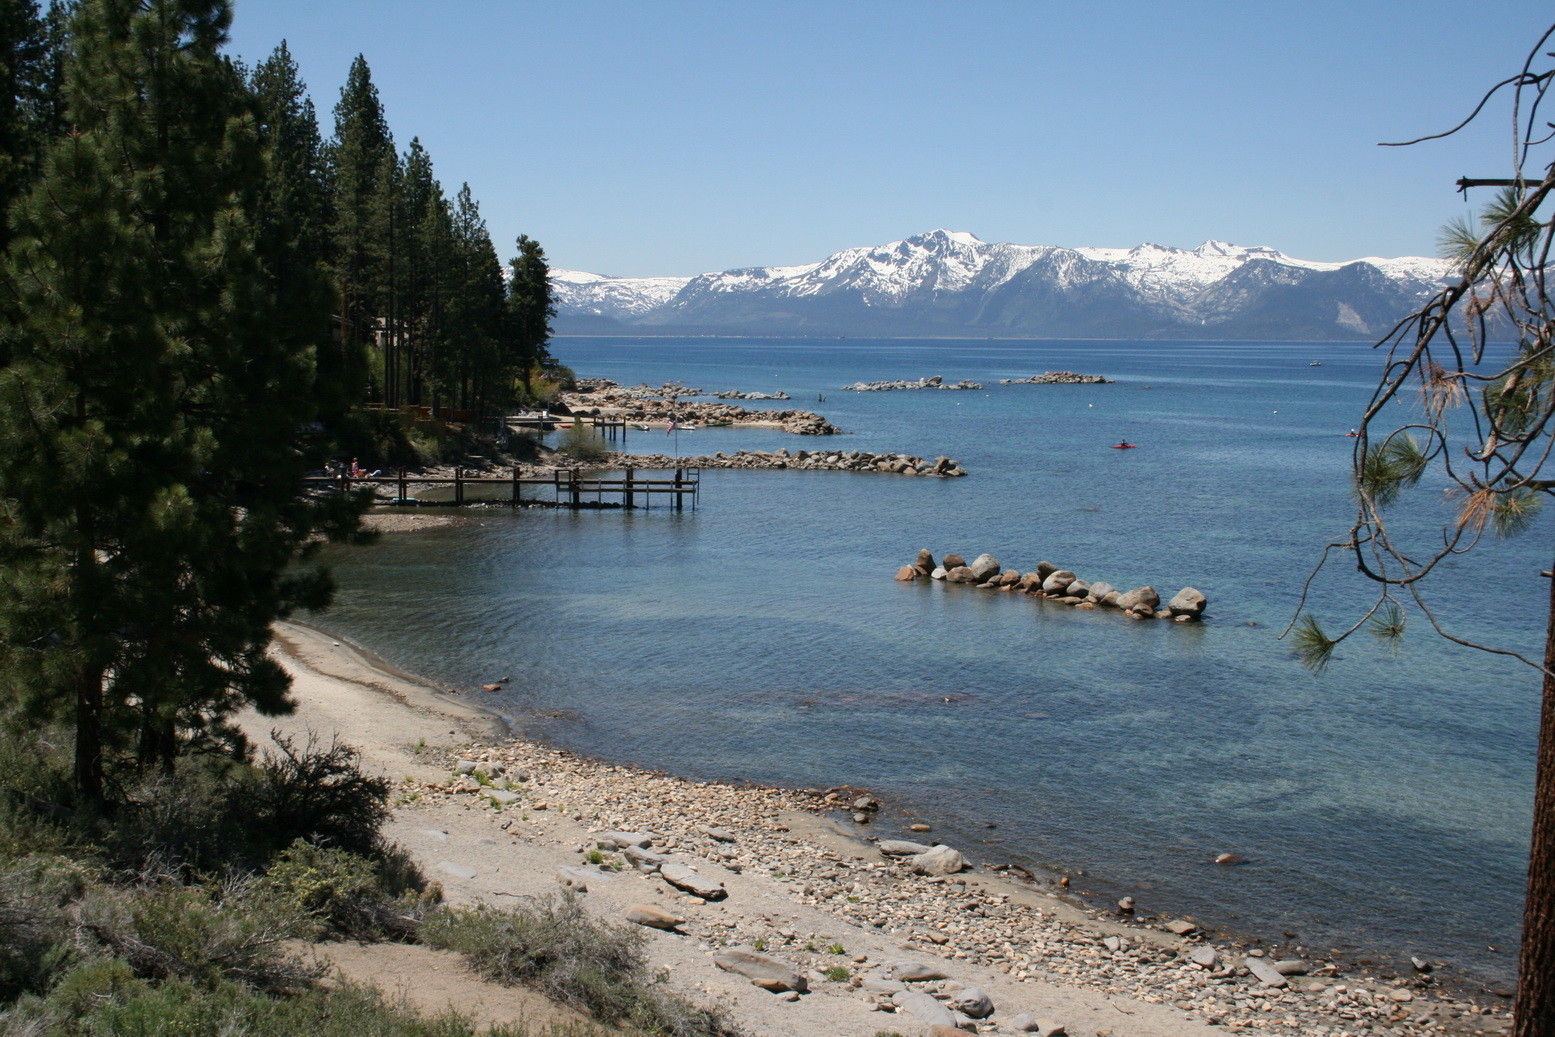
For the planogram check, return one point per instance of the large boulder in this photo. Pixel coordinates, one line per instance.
(682, 877)
(925, 562)
(906, 574)
(1078, 589)
(938, 860)
(901, 848)
(653, 917)
(939, 573)
(950, 561)
(767, 973)
(1099, 591)
(1009, 578)
(924, 1008)
(1057, 581)
(985, 567)
(1139, 596)
(973, 1002)
(915, 971)
(1187, 602)
(643, 860)
(960, 574)
(1045, 568)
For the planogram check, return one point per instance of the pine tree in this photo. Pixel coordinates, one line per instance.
(424, 219)
(530, 309)
(156, 380)
(470, 356)
(362, 166)
(28, 85)
(296, 208)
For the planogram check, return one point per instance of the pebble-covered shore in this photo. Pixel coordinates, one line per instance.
(946, 917)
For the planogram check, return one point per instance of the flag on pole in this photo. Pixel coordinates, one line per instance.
(670, 429)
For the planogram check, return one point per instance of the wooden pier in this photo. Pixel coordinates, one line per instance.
(541, 421)
(569, 487)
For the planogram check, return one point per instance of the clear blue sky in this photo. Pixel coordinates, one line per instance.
(636, 138)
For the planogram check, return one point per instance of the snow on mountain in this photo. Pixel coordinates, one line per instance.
(576, 291)
(948, 279)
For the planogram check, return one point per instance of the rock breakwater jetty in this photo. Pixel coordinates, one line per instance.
(603, 398)
(931, 382)
(1059, 378)
(802, 460)
(1055, 584)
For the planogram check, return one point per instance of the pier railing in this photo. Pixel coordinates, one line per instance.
(569, 487)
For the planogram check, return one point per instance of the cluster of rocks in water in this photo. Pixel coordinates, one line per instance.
(1060, 585)
(622, 403)
(735, 394)
(802, 460)
(910, 921)
(931, 382)
(1058, 378)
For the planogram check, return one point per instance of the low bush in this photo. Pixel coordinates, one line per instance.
(555, 947)
(343, 893)
(199, 934)
(583, 443)
(105, 999)
(319, 794)
(35, 923)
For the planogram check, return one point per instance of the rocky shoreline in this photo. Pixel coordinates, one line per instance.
(695, 847)
(1060, 585)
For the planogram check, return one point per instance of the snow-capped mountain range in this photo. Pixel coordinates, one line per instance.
(950, 282)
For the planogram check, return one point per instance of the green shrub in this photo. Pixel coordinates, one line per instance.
(216, 814)
(555, 947)
(836, 973)
(318, 794)
(35, 924)
(343, 893)
(583, 443)
(106, 1000)
(199, 934)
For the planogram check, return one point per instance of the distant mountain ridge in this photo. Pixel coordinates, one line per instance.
(950, 282)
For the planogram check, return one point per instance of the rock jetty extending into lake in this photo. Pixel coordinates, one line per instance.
(802, 460)
(602, 398)
(932, 382)
(1055, 584)
(1059, 378)
(735, 394)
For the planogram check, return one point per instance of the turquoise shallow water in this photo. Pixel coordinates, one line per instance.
(1383, 805)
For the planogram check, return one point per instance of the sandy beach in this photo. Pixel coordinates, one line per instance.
(801, 886)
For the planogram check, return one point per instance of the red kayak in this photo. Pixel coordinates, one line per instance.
(1124, 446)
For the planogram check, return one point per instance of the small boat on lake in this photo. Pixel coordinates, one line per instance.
(639, 426)
(719, 424)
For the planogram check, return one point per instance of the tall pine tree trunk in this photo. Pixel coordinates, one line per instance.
(89, 735)
(1533, 1014)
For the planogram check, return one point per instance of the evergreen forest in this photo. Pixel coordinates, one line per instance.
(202, 299)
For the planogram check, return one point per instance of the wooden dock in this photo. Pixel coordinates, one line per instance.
(541, 421)
(569, 487)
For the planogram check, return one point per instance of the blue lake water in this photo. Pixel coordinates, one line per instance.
(1383, 804)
